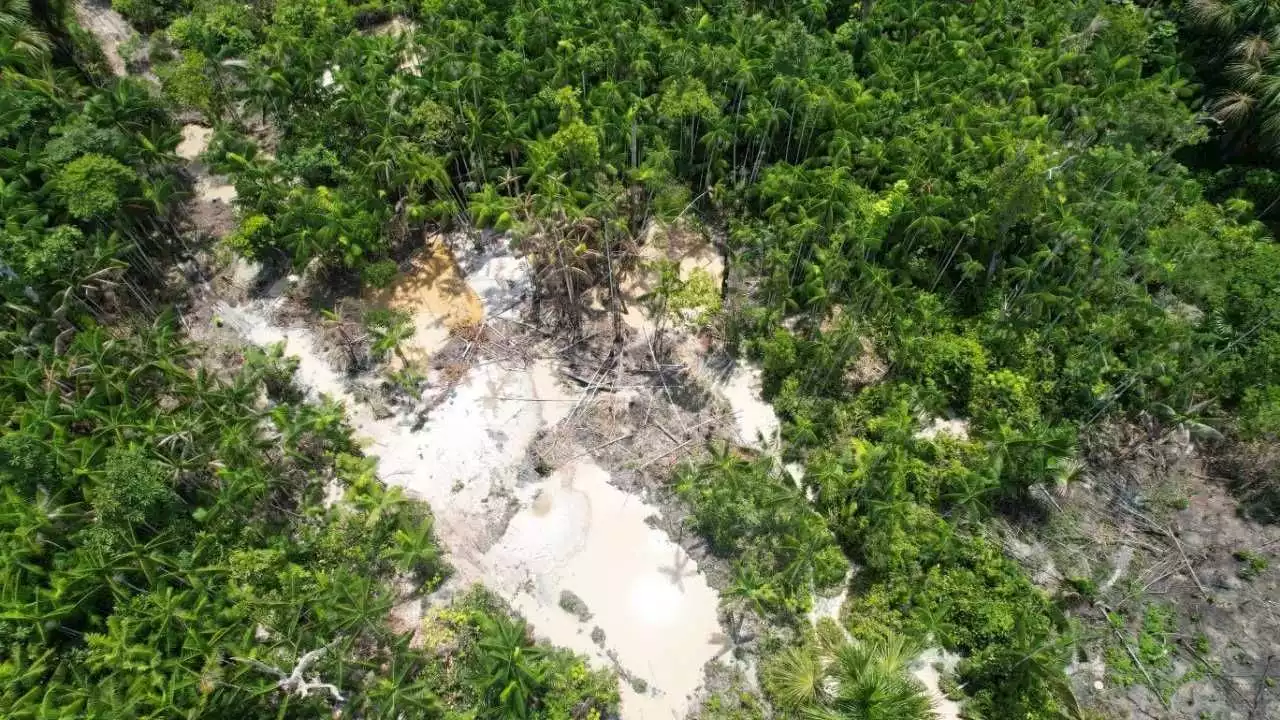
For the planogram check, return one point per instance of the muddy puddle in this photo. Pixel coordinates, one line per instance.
(657, 613)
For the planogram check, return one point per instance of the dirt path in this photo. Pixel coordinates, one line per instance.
(109, 27)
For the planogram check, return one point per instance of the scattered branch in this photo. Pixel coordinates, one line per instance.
(293, 682)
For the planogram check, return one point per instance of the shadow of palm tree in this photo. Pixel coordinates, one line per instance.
(679, 568)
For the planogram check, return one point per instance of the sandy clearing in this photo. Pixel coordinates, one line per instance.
(525, 537)
(212, 190)
(925, 669)
(195, 140)
(573, 531)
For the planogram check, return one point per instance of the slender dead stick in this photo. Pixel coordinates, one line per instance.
(1134, 656)
(1178, 544)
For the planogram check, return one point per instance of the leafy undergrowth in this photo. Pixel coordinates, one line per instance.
(1147, 658)
(485, 658)
(781, 549)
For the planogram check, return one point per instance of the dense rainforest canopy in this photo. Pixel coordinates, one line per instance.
(1038, 214)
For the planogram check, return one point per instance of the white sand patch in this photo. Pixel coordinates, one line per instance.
(398, 27)
(925, 669)
(796, 471)
(703, 257)
(571, 531)
(502, 283)
(586, 536)
(755, 420)
(958, 429)
(395, 27)
(215, 190)
(195, 140)
(209, 188)
(314, 372)
(740, 384)
(828, 607)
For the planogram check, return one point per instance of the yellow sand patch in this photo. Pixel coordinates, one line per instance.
(437, 298)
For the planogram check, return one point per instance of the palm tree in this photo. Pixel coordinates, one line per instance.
(20, 40)
(390, 337)
(1237, 42)
(834, 677)
(510, 674)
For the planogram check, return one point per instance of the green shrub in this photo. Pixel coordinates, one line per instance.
(949, 362)
(253, 236)
(147, 15)
(379, 274)
(216, 29)
(1004, 398)
(93, 187)
(782, 548)
(1260, 412)
(186, 81)
(1252, 564)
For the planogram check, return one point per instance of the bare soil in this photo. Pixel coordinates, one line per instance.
(1147, 532)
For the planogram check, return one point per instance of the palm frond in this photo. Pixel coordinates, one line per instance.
(796, 678)
(1215, 14)
(1270, 127)
(26, 40)
(894, 652)
(1246, 73)
(1252, 48)
(1233, 107)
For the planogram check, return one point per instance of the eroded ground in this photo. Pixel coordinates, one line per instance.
(539, 470)
(1177, 594)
